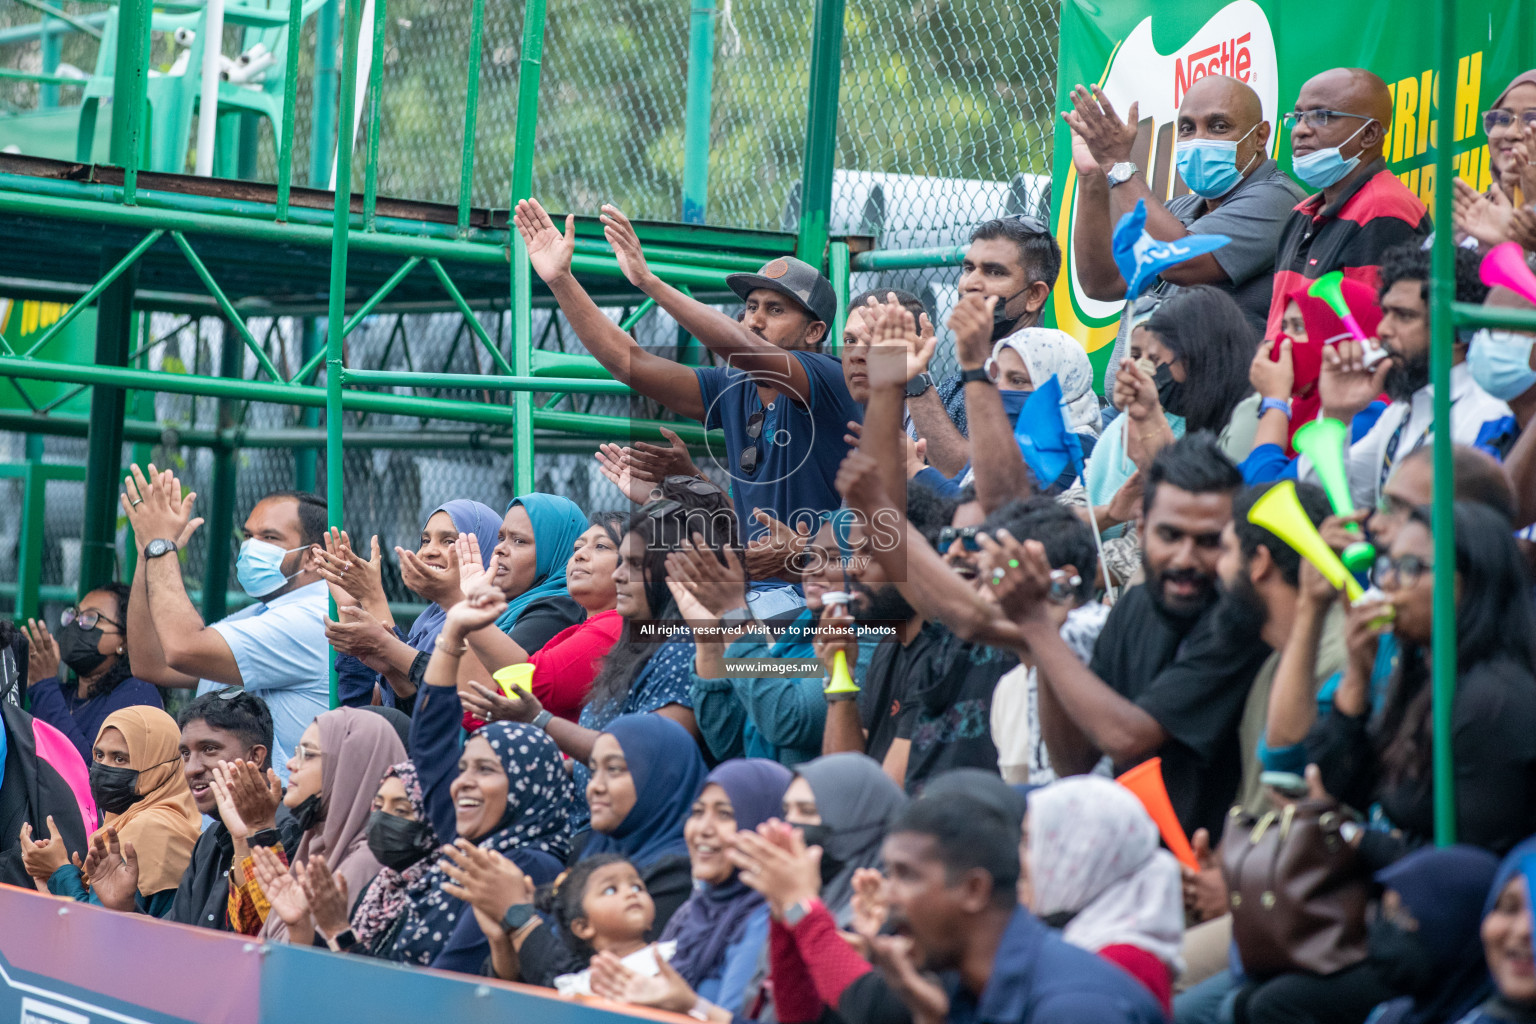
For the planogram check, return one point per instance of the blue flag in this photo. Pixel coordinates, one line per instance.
(1141, 257)
(1049, 446)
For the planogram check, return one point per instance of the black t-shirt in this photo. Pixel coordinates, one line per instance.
(544, 618)
(949, 687)
(883, 702)
(1193, 676)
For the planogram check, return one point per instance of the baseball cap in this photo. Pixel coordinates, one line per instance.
(795, 278)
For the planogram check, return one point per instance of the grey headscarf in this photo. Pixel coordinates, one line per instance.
(857, 802)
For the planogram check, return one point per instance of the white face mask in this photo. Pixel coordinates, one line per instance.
(259, 568)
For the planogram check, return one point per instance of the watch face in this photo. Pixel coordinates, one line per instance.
(156, 548)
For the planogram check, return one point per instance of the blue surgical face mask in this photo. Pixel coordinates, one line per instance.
(1013, 403)
(1323, 167)
(260, 568)
(1209, 166)
(1500, 362)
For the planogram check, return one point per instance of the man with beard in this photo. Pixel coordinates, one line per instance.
(1173, 665)
(952, 868)
(783, 404)
(1347, 386)
(1014, 260)
(876, 720)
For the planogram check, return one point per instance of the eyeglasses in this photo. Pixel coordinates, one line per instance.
(1318, 118)
(1504, 118)
(661, 508)
(966, 535)
(86, 619)
(1406, 570)
(747, 463)
(693, 485)
(304, 755)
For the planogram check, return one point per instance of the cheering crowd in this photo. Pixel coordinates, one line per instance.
(916, 721)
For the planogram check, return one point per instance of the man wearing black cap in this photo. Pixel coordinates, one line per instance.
(782, 403)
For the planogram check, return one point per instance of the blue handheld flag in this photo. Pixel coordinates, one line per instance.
(1141, 257)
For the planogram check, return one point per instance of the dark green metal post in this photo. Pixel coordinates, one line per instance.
(1442, 338)
(130, 78)
(29, 549)
(306, 460)
(821, 132)
(696, 117)
(337, 314)
(529, 71)
(48, 94)
(114, 340)
(322, 131)
(221, 497)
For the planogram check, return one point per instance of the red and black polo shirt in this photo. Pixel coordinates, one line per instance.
(1377, 213)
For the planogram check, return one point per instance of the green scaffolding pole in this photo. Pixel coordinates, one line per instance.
(528, 75)
(697, 113)
(337, 315)
(221, 498)
(821, 133)
(1442, 340)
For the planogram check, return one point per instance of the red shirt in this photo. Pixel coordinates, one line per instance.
(1145, 968)
(564, 668)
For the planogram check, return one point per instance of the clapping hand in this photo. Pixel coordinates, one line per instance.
(971, 323)
(247, 800)
(156, 508)
(283, 892)
(356, 632)
(42, 653)
(1479, 216)
(326, 895)
(871, 902)
(666, 990)
(440, 586)
(41, 858)
(1109, 139)
(775, 861)
(895, 957)
(625, 243)
(614, 463)
(112, 870)
(718, 586)
(776, 552)
(490, 883)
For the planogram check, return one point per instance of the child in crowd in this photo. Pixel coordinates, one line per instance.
(602, 906)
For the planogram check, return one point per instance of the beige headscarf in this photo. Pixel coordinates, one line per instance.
(356, 749)
(163, 824)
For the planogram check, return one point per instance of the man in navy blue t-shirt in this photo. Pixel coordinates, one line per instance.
(783, 405)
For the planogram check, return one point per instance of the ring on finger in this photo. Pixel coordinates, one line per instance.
(136, 502)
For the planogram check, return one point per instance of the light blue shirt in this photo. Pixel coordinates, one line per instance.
(281, 651)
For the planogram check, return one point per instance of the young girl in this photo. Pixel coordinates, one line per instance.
(602, 906)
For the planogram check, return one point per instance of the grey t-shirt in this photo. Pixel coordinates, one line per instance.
(1253, 217)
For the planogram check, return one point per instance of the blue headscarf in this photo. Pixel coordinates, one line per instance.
(668, 772)
(557, 523)
(1444, 888)
(706, 926)
(468, 517)
(537, 818)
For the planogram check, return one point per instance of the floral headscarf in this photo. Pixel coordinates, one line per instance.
(1049, 353)
(540, 798)
(392, 890)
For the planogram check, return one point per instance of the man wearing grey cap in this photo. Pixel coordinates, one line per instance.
(782, 403)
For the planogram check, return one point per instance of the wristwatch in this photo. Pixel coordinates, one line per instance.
(159, 546)
(919, 384)
(517, 915)
(1121, 173)
(797, 913)
(1275, 403)
(541, 720)
(342, 941)
(736, 618)
(266, 837)
(977, 375)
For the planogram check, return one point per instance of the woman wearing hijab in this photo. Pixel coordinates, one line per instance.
(1506, 946)
(1094, 868)
(375, 653)
(1505, 123)
(528, 563)
(1424, 941)
(407, 848)
(564, 668)
(512, 796)
(644, 773)
(843, 803)
(333, 778)
(147, 811)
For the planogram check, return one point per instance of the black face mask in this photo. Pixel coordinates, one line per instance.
(307, 813)
(820, 835)
(77, 649)
(1003, 324)
(114, 789)
(1402, 960)
(1170, 393)
(398, 842)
